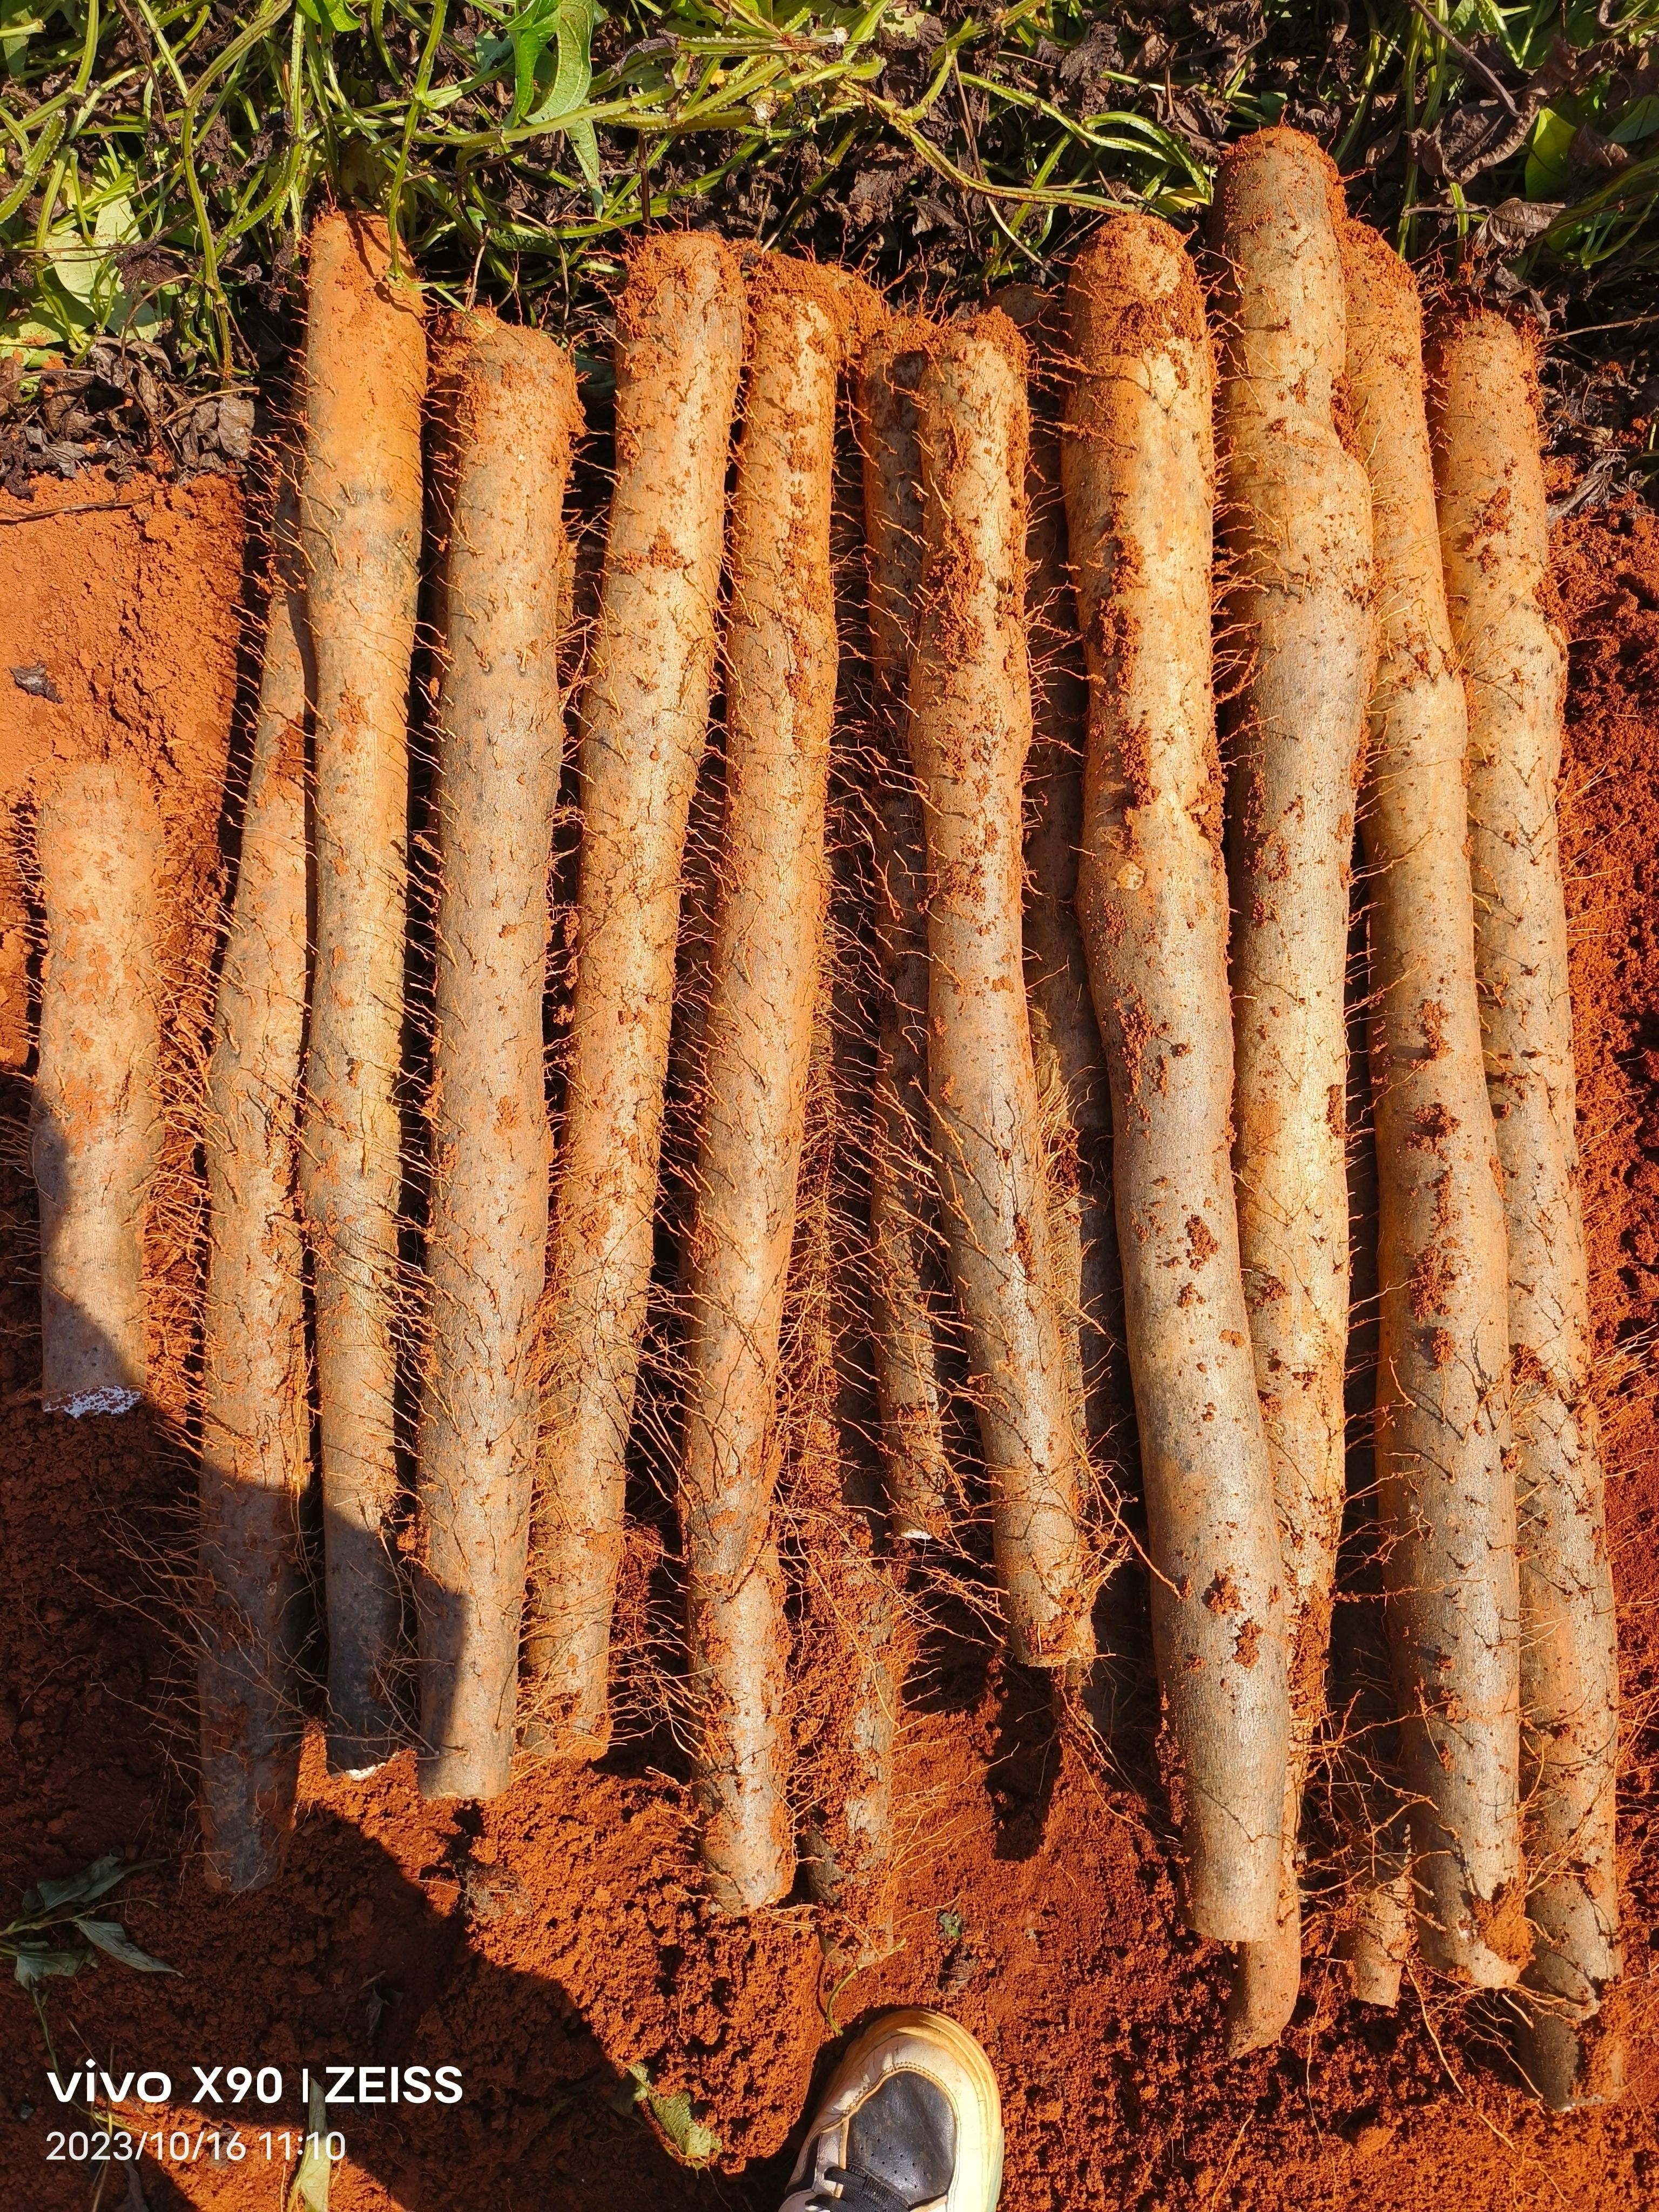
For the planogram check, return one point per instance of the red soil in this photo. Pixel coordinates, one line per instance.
(546, 1942)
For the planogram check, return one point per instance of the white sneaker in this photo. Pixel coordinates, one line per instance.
(911, 2123)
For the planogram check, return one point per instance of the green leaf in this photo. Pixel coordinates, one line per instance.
(19, 22)
(34, 1962)
(110, 1936)
(1639, 120)
(573, 27)
(84, 1888)
(585, 140)
(330, 16)
(692, 2143)
(26, 334)
(1549, 163)
(527, 35)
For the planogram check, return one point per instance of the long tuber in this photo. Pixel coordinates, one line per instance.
(644, 725)
(756, 1045)
(256, 1414)
(969, 732)
(1065, 1036)
(1296, 536)
(1139, 469)
(499, 748)
(360, 516)
(1446, 1496)
(95, 1119)
(1494, 541)
(903, 1196)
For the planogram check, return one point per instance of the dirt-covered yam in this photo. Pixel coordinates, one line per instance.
(1484, 423)
(256, 1414)
(360, 516)
(1296, 559)
(1077, 1105)
(763, 977)
(680, 325)
(903, 1190)
(95, 1116)
(1139, 467)
(969, 732)
(514, 412)
(1446, 1493)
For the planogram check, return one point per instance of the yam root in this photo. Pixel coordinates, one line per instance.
(256, 1414)
(763, 996)
(1494, 542)
(1446, 1496)
(969, 732)
(499, 755)
(1064, 1035)
(1297, 557)
(360, 515)
(903, 1195)
(1138, 471)
(96, 1120)
(644, 724)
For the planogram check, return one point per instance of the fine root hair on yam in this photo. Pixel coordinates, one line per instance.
(1494, 541)
(360, 517)
(499, 752)
(1138, 471)
(1065, 1034)
(256, 1417)
(95, 1127)
(969, 732)
(680, 333)
(756, 1043)
(903, 1193)
(1296, 563)
(1446, 1494)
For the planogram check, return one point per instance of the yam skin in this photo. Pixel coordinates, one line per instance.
(1446, 1493)
(500, 744)
(969, 732)
(762, 995)
(680, 331)
(1139, 471)
(360, 518)
(903, 1195)
(1064, 1035)
(1494, 542)
(1296, 533)
(96, 1120)
(256, 1414)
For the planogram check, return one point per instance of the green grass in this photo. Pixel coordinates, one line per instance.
(160, 156)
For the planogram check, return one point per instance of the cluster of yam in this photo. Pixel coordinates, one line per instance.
(1107, 1096)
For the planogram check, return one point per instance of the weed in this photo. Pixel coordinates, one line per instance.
(691, 2142)
(39, 1941)
(36, 1940)
(158, 158)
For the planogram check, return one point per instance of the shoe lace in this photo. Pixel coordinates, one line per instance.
(859, 2192)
